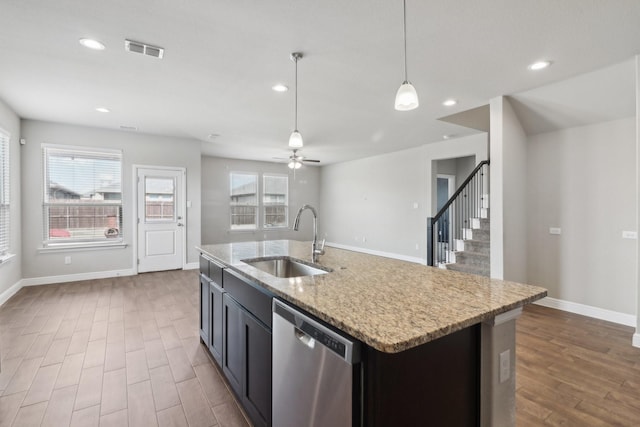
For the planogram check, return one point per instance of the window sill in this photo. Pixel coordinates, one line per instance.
(6, 258)
(82, 247)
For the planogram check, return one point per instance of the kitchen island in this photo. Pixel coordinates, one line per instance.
(404, 313)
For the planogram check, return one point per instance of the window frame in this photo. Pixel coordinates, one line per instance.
(256, 224)
(90, 152)
(5, 194)
(265, 205)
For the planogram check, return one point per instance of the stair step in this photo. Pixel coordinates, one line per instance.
(472, 258)
(480, 224)
(479, 246)
(477, 234)
(480, 271)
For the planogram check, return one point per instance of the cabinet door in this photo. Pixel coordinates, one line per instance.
(233, 343)
(257, 392)
(204, 309)
(215, 330)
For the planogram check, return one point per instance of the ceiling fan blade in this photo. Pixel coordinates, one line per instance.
(311, 160)
(280, 158)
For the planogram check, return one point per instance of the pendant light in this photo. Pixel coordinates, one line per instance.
(295, 140)
(406, 97)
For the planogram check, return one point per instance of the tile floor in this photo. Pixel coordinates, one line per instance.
(110, 352)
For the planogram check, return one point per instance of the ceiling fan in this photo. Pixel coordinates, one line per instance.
(295, 160)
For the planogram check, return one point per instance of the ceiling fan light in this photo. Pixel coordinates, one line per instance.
(406, 97)
(294, 164)
(295, 140)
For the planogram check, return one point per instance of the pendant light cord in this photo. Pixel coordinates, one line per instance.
(404, 32)
(296, 97)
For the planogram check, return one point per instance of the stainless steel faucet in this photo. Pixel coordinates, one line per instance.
(316, 249)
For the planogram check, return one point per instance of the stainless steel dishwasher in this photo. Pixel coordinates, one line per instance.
(316, 372)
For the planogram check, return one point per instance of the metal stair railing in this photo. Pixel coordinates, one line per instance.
(449, 224)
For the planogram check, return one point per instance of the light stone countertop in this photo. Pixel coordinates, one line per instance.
(388, 304)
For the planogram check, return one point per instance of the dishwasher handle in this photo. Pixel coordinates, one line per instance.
(304, 338)
(311, 333)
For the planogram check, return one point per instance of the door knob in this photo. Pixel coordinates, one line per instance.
(180, 224)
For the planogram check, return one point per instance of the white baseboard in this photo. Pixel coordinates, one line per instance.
(191, 266)
(4, 297)
(378, 253)
(636, 340)
(34, 281)
(588, 310)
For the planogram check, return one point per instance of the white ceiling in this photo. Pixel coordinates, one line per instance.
(222, 57)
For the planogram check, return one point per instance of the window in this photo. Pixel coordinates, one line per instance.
(275, 200)
(4, 193)
(159, 199)
(82, 195)
(244, 201)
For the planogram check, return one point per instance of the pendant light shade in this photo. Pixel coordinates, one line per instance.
(406, 97)
(295, 140)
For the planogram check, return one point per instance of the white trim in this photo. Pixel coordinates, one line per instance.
(636, 340)
(5, 258)
(48, 280)
(378, 253)
(590, 311)
(93, 246)
(4, 297)
(191, 266)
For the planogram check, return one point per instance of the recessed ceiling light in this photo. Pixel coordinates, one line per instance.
(213, 135)
(102, 110)
(280, 88)
(540, 65)
(449, 136)
(129, 128)
(450, 102)
(92, 44)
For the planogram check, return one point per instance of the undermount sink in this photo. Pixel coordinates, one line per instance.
(285, 267)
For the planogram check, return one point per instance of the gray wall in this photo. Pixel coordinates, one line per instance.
(507, 201)
(11, 271)
(380, 204)
(138, 149)
(583, 181)
(461, 167)
(304, 188)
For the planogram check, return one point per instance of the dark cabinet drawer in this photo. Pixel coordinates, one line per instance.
(211, 269)
(256, 300)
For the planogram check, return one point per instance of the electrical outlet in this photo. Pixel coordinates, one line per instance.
(629, 234)
(67, 260)
(505, 365)
(555, 230)
(417, 247)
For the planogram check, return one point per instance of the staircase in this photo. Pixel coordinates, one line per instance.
(458, 236)
(471, 254)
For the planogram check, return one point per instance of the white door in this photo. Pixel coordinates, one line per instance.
(161, 224)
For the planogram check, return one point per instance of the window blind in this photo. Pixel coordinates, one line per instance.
(82, 195)
(5, 190)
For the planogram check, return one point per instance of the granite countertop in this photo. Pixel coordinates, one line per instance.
(388, 304)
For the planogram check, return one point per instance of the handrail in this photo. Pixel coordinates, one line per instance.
(451, 221)
(459, 190)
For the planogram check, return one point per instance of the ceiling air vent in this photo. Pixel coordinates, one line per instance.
(145, 49)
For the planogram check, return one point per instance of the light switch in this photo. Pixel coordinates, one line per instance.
(555, 230)
(629, 234)
(505, 365)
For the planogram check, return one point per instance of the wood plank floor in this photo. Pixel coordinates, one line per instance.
(125, 351)
(573, 370)
(122, 351)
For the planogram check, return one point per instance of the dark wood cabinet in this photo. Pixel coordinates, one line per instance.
(233, 346)
(247, 341)
(215, 321)
(211, 291)
(204, 309)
